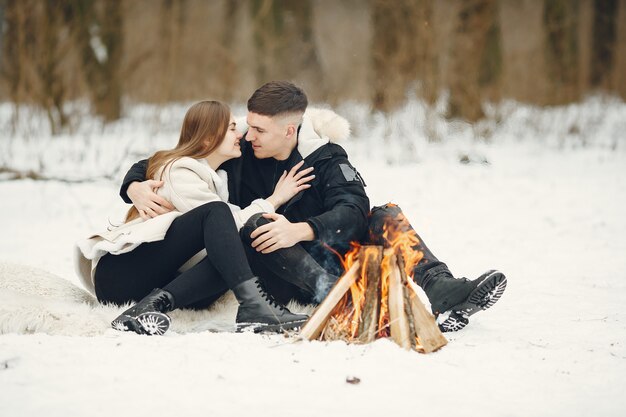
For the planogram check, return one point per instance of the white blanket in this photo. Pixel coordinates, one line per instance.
(36, 301)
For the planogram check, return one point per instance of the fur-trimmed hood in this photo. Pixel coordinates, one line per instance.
(319, 127)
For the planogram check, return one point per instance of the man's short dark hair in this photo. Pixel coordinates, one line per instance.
(277, 98)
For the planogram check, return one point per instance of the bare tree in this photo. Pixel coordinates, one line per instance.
(604, 37)
(14, 60)
(35, 49)
(172, 19)
(228, 70)
(2, 30)
(427, 57)
(395, 47)
(619, 70)
(268, 35)
(539, 51)
(48, 60)
(97, 28)
(561, 20)
(474, 24)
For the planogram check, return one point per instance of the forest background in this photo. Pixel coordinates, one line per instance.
(110, 54)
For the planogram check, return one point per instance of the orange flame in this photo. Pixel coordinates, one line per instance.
(399, 237)
(402, 238)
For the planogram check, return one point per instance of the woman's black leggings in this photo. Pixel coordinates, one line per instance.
(133, 275)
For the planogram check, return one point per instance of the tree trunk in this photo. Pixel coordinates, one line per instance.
(474, 23)
(561, 20)
(35, 50)
(171, 19)
(604, 37)
(585, 21)
(51, 54)
(14, 49)
(397, 57)
(98, 32)
(268, 24)
(227, 72)
(427, 57)
(619, 70)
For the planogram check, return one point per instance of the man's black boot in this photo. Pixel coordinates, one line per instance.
(454, 300)
(259, 310)
(148, 315)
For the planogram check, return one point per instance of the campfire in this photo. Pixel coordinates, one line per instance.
(376, 297)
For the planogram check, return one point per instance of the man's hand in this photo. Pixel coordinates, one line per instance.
(146, 200)
(280, 233)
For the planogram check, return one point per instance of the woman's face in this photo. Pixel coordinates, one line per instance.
(230, 147)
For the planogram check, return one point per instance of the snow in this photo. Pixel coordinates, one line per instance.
(546, 209)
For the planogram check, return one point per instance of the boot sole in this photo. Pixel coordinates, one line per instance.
(154, 323)
(125, 323)
(486, 294)
(270, 328)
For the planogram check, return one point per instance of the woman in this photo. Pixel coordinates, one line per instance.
(143, 259)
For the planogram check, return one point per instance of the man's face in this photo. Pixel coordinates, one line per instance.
(269, 137)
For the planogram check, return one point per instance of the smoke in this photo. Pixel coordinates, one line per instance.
(324, 284)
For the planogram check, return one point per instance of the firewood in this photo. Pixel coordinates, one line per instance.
(409, 315)
(407, 299)
(313, 327)
(371, 257)
(428, 333)
(398, 321)
(426, 329)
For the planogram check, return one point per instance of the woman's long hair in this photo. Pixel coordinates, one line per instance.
(203, 131)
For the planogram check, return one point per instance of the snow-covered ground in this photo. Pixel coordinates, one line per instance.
(551, 217)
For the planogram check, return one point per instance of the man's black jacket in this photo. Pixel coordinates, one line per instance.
(336, 206)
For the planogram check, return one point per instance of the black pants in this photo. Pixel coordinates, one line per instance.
(297, 272)
(391, 215)
(131, 276)
(288, 273)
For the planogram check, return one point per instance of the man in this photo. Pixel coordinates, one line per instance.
(294, 250)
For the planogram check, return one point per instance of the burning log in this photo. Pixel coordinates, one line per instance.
(314, 326)
(371, 257)
(424, 324)
(398, 320)
(376, 298)
(409, 315)
(426, 329)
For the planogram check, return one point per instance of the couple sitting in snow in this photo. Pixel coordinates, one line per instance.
(254, 215)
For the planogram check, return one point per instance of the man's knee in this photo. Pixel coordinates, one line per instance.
(381, 215)
(253, 223)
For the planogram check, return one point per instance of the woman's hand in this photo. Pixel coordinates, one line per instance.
(290, 184)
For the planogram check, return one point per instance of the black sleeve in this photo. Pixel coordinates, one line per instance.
(345, 204)
(136, 173)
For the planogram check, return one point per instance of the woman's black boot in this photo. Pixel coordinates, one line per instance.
(148, 315)
(259, 310)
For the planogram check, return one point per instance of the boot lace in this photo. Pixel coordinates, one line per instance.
(267, 296)
(162, 303)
